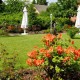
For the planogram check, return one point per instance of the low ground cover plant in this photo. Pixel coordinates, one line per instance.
(59, 58)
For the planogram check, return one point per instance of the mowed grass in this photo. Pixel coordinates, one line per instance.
(21, 45)
(24, 44)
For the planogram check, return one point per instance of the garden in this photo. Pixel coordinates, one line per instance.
(40, 55)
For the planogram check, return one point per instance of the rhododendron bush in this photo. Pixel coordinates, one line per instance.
(58, 57)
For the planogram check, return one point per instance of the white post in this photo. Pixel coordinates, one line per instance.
(51, 23)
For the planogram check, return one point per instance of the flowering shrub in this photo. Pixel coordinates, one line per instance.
(58, 58)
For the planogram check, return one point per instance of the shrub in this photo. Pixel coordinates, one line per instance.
(2, 32)
(60, 22)
(7, 65)
(59, 58)
(72, 31)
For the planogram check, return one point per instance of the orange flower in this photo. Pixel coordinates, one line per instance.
(66, 59)
(60, 50)
(47, 43)
(42, 50)
(29, 62)
(33, 54)
(60, 36)
(69, 50)
(49, 37)
(35, 46)
(38, 62)
(47, 55)
(50, 49)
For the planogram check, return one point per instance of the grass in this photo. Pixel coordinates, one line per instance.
(23, 44)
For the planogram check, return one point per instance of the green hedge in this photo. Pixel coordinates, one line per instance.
(11, 19)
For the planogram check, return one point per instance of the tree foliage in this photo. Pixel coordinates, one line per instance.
(32, 15)
(63, 8)
(2, 7)
(42, 2)
(13, 6)
(0, 1)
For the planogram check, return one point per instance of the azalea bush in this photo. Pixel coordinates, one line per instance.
(59, 58)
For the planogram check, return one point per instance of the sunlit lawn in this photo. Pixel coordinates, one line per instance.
(23, 44)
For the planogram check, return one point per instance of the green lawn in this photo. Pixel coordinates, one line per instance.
(23, 44)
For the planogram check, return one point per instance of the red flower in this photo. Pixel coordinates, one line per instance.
(76, 57)
(29, 62)
(47, 43)
(72, 42)
(59, 50)
(77, 52)
(47, 55)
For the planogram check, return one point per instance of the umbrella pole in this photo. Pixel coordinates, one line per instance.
(79, 31)
(24, 31)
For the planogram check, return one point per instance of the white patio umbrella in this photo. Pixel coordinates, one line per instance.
(77, 23)
(24, 21)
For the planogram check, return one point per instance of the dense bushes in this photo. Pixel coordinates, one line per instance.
(13, 19)
(11, 6)
(11, 14)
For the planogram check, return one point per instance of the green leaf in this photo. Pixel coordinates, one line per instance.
(51, 67)
(57, 69)
(46, 62)
(54, 59)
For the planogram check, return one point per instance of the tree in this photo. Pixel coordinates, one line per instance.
(42, 2)
(32, 15)
(2, 6)
(33, 2)
(63, 8)
(67, 7)
(14, 6)
(0, 1)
